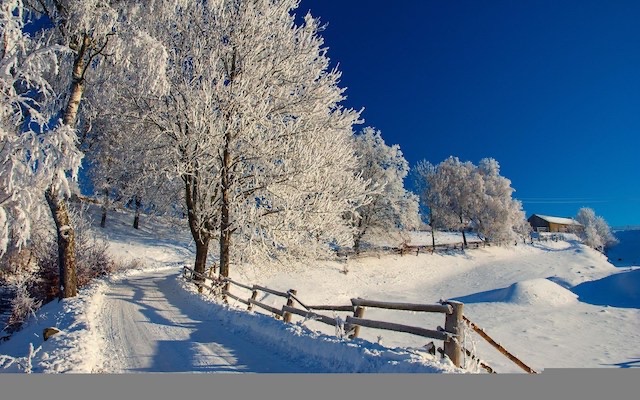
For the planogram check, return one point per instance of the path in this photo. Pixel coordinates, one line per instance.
(149, 326)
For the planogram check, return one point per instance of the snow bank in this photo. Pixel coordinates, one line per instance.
(75, 349)
(539, 292)
(531, 292)
(297, 342)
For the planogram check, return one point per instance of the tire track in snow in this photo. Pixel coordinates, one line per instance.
(148, 326)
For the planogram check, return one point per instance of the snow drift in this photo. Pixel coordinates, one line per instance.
(531, 292)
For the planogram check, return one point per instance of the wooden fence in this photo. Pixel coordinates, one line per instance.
(410, 249)
(452, 335)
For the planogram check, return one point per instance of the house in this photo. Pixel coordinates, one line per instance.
(545, 223)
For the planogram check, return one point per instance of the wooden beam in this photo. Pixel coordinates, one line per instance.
(332, 308)
(267, 290)
(436, 308)
(390, 326)
(293, 296)
(453, 326)
(480, 363)
(274, 310)
(241, 300)
(357, 314)
(310, 315)
(238, 284)
(501, 349)
(287, 315)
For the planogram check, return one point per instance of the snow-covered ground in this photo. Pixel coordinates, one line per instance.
(552, 304)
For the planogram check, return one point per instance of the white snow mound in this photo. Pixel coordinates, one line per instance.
(539, 292)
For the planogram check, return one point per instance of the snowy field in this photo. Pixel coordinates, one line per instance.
(552, 304)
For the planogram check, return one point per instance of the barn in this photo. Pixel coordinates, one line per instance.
(545, 223)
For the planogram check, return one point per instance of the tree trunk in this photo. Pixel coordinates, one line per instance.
(225, 226)
(433, 233)
(200, 236)
(105, 205)
(357, 240)
(77, 84)
(356, 244)
(136, 218)
(57, 205)
(464, 236)
(66, 244)
(202, 250)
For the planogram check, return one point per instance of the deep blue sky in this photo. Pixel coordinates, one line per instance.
(550, 89)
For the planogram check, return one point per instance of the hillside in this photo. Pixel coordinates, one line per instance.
(552, 304)
(627, 252)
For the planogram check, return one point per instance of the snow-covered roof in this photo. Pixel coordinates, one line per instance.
(559, 220)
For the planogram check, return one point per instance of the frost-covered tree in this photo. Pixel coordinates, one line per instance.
(461, 194)
(254, 129)
(456, 192)
(91, 31)
(499, 217)
(424, 178)
(392, 208)
(596, 232)
(35, 151)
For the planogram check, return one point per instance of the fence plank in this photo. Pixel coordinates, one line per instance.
(480, 363)
(332, 308)
(293, 296)
(390, 326)
(238, 284)
(266, 307)
(501, 349)
(310, 315)
(436, 308)
(241, 300)
(274, 292)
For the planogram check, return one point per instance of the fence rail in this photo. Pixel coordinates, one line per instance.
(451, 335)
(499, 347)
(391, 326)
(411, 249)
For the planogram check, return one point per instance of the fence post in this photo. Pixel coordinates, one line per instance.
(358, 313)
(254, 295)
(453, 324)
(287, 315)
(225, 289)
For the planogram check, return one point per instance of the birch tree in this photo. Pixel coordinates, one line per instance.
(33, 154)
(257, 133)
(392, 208)
(90, 31)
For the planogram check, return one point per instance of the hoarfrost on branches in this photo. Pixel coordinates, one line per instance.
(253, 127)
(461, 195)
(392, 208)
(596, 232)
(34, 152)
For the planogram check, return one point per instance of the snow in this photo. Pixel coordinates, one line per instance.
(553, 304)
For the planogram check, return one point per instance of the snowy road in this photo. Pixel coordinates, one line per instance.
(149, 326)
